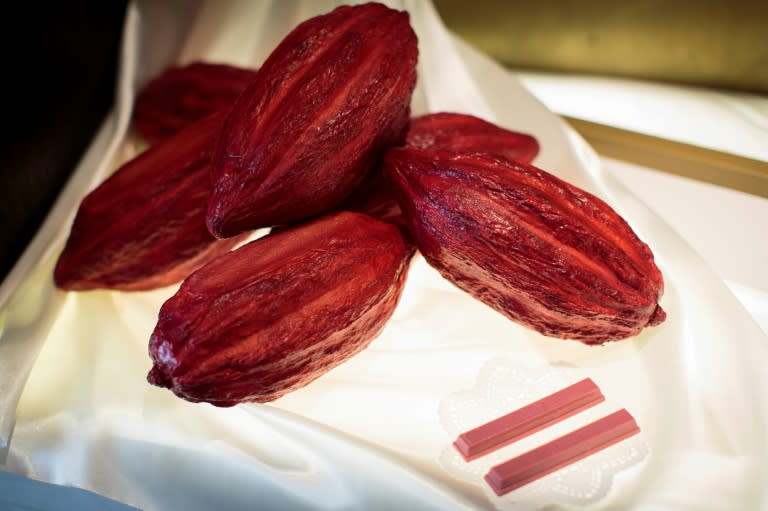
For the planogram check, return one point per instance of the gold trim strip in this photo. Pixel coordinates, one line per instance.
(715, 167)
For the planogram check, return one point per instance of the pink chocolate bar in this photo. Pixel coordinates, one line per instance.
(562, 451)
(528, 420)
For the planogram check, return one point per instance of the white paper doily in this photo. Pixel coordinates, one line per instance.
(503, 387)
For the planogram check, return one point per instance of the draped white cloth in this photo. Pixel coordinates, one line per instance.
(375, 433)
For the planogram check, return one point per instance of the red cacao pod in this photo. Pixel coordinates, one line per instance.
(541, 251)
(279, 312)
(326, 104)
(144, 227)
(452, 131)
(182, 95)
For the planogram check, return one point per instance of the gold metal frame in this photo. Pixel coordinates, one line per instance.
(723, 169)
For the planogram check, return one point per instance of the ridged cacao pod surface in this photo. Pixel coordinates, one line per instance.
(454, 132)
(182, 95)
(537, 249)
(144, 226)
(280, 311)
(324, 106)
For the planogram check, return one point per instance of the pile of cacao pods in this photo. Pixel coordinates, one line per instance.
(318, 144)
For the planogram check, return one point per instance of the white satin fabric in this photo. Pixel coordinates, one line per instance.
(370, 434)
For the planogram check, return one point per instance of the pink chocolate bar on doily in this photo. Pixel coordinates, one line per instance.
(528, 419)
(562, 451)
